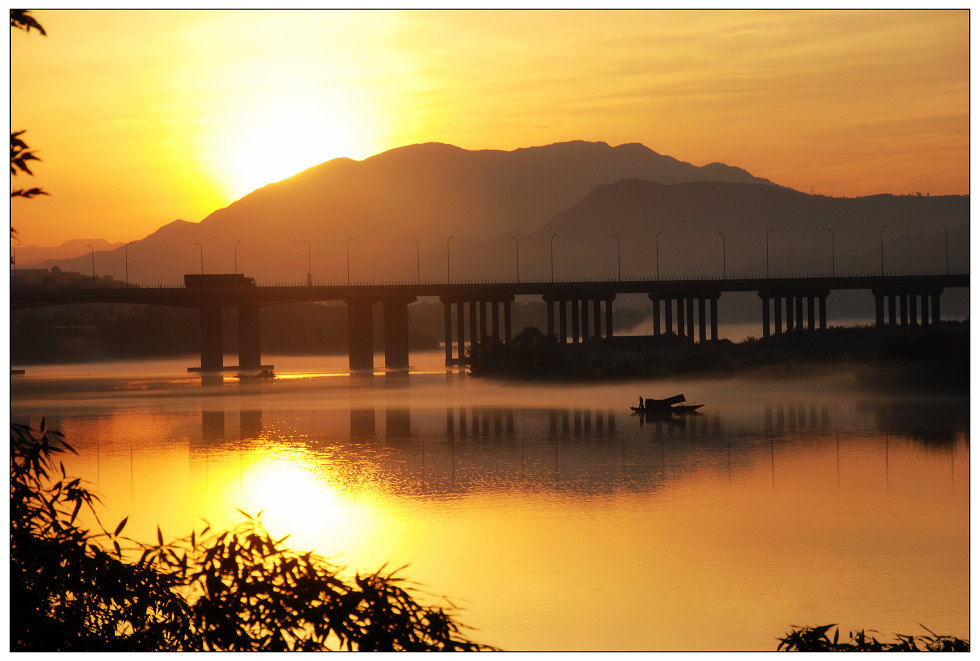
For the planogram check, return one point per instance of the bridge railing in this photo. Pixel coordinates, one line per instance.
(97, 284)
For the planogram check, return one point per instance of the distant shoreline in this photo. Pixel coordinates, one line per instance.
(934, 358)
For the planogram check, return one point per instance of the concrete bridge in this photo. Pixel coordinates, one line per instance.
(577, 311)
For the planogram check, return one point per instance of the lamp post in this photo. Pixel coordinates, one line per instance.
(202, 256)
(619, 259)
(553, 237)
(517, 251)
(418, 261)
(309, 265)
(236, 254)
(947, 248)
(723, 257)
(767, 251)
(832, 256)
(448, 239)
(93, 259)
(126, 251)
(348, 259)
(882, 247)
(658, 253)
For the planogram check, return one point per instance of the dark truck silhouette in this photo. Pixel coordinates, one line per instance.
(217, 280)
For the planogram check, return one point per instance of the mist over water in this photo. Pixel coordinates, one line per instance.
(549, 513)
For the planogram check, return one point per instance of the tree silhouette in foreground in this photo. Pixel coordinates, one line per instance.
(238, 590)
(20, 153)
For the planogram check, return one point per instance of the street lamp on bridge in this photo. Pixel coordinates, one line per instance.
(93, 259)
(553, 237)
(723, 251)
(236, 254)
(348, 259)
(517, 253)
(418, 261)
(126, 252)
(658, 254)
(832, 265)
(882, 247)
(767, 251)
(309, 265)
(619, 259)
(202, 255)
(947, 248)
(448, 239)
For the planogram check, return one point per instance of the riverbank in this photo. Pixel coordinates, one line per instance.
(935, 358)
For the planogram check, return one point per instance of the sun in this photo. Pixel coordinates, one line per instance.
(285, 141)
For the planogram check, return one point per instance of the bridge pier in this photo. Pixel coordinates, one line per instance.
(574, 304)
(460, 335)
(798, 316)
(448, 314)
(478, 323)
(249, 347)
(916, 305)
(692, 308)
(562, 321)
(396, 331)
(360, 333)
(765, 315)
(212, 352)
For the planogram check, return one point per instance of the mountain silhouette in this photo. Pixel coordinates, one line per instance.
(425, 192)
(583, 191)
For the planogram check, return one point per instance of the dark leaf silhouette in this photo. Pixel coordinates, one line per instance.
(234, 590)
(22, 20)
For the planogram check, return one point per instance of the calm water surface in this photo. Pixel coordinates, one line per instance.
(550, 515)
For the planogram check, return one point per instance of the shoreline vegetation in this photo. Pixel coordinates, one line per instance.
(934, 358)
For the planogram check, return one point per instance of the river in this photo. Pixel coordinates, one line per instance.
(550, 515)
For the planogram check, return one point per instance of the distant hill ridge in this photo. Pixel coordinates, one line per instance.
(376, 209)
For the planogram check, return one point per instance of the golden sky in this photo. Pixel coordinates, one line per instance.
(142, 117)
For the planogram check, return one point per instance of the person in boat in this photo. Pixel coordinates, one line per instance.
(641, 402)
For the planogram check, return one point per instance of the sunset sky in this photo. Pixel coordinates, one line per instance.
(142, 117)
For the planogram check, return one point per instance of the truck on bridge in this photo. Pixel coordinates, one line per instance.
(217, 280)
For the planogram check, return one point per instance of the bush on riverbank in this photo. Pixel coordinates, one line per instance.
(935, 357)
(818, 639)
(239, 590)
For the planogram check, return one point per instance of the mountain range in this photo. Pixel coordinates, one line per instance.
(575, 209)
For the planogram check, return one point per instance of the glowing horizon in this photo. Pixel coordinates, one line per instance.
(141, 117)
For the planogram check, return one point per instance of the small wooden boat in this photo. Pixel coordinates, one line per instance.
(666, 406)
